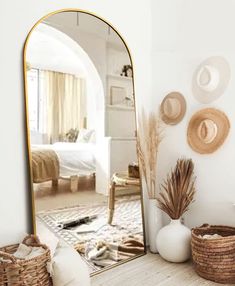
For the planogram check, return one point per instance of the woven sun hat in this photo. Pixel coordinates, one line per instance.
(207, 130)
(210, 79)
(173, 108)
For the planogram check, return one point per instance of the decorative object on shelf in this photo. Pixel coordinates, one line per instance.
(117, 76)
(149, 138)
(31, 270)
(177, 192)
(133, 170)
(207, 130)
(220, 266)
(129, 101)
(117, 95)
(210, 79)
(120, 107)
(127, 71)
(173, 108)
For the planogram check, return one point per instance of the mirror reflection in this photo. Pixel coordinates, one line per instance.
(81, 115)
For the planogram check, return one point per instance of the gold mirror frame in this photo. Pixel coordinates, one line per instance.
(29, 165)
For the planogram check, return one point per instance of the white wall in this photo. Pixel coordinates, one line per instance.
(66, 23)
(16, 19)
(120, 122)
(47, 44)
(105, 49)
(49, 49)
(94, 46)
(113, 155)
(185, 32)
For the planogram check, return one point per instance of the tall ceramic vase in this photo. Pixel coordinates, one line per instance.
(173, 242)
(154, 216)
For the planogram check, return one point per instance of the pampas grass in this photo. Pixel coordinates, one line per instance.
(148, 141)
(177, 191)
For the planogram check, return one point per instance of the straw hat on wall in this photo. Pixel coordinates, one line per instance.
(173, 108)
(210, 79)
(207, 130)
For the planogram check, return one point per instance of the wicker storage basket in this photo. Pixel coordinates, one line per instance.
(133, 171)
(22, 272)
(214, 259)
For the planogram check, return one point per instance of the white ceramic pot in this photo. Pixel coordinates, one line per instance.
(154, 217)
(173, 242)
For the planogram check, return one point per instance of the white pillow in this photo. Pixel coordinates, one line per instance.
(67, 268)
(84, 135)
(48, 238)
(92, 137)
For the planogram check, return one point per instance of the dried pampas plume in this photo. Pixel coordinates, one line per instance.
(177, 191)
(148, 141)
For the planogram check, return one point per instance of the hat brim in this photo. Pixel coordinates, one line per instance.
(224, 72)
(223, 125)
(181, 99)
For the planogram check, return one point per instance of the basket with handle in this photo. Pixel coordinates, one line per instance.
(22, 272)
(214, 258)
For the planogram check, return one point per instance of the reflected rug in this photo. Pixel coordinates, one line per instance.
(127, 222)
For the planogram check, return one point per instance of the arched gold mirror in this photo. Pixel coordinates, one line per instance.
(81, 130)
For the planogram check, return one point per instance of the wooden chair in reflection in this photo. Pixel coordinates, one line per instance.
(120, 180)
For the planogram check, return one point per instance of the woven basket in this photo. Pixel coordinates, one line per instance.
(214, 259)
(133, 171)
(22, 272)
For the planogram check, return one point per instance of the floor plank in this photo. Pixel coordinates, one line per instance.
(151, 270)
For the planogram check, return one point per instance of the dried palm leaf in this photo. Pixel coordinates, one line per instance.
(177, 191)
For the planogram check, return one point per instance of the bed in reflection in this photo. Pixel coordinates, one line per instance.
(63, 160)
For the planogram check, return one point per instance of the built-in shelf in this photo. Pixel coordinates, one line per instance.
(123, 138)
(119, 77)
(119, 107)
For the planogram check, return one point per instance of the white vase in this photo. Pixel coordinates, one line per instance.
(154, 217)
(173, 242)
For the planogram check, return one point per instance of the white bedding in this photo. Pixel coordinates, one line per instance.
(74, 158)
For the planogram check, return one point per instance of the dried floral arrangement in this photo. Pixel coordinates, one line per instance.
(149, 138)
(177, 191)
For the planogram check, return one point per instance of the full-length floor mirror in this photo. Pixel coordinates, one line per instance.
(81, 129)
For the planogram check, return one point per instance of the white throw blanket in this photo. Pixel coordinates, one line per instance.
(67, 267)
(211, 236)
(25, 252)
(28, 252)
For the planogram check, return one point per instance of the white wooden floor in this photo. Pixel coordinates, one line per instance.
(150, 270)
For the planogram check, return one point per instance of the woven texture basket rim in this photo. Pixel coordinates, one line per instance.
(211, 227)
(23, 260)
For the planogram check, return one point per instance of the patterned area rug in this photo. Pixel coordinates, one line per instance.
(127, 222)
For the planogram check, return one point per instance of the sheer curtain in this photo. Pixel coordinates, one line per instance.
(65, 104)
